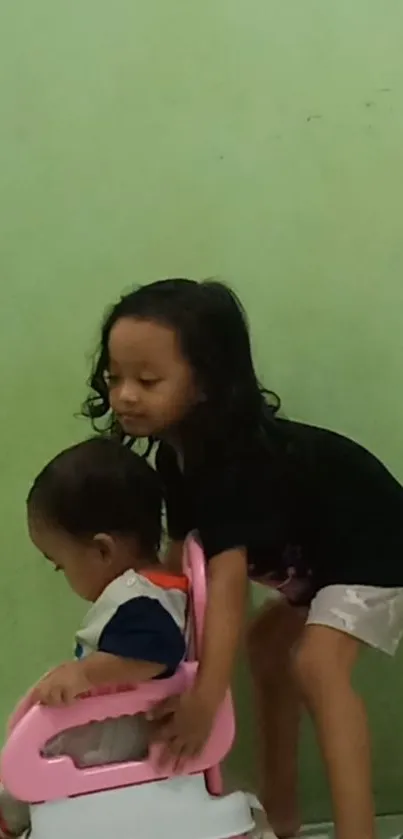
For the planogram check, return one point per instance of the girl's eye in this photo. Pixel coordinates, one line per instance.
(111, 381)
(149, 382)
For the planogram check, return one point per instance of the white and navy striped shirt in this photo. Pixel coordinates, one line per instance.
(141, 616)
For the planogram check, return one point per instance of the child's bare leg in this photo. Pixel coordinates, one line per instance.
(14, 815)
(323, 665)
(271, 636)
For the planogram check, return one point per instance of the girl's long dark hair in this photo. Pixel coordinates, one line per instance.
(213, 333)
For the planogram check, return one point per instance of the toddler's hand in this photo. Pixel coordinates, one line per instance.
(62, 686)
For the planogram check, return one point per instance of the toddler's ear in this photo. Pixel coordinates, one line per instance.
(105, 545)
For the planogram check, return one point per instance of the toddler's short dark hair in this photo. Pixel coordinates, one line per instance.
(100, 486)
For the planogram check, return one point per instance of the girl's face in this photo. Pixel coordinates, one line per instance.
(151, 386)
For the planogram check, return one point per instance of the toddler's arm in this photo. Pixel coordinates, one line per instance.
(106, 669)
(140, 642)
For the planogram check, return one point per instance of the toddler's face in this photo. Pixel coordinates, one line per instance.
(83, 563)
(151, 385)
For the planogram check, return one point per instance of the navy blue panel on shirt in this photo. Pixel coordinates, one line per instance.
(143, 630)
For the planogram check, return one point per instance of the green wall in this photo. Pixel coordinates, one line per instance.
(257, 141)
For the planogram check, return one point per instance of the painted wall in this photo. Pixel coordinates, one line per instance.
(260, 142)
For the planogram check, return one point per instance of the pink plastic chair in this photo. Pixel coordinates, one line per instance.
(36, 779)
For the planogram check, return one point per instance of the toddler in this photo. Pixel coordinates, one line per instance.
(94, 512)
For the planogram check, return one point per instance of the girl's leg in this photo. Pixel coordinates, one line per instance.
(322, 665)
(271, 637)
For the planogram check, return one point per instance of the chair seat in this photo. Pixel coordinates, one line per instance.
(178, 808)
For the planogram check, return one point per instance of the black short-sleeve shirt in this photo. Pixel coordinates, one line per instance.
(336, 519)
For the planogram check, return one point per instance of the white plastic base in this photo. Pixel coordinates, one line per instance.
(179, 808)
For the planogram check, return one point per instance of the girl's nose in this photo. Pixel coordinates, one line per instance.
(129, 392)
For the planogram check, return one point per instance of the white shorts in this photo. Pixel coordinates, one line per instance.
(372, 614)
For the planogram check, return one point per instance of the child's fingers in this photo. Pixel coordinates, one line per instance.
(39, 695)
(53, 696)
(171, 754)
(164, 731)
(70, 694)
(176, 750)
(163, 709)
(50, 695)
(184, 753)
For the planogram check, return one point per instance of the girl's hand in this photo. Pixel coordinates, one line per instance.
(62, 686)
(182, 725)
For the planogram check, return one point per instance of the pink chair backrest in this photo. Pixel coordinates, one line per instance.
(195, 570)
(31, 777)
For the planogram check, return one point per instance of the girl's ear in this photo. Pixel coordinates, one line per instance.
(105, 546)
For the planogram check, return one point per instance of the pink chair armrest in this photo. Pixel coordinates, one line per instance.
(31, 777)
(195, 570)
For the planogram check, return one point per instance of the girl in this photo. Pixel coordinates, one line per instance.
(278, 501)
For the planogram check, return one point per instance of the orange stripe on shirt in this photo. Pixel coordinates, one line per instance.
(164, 579)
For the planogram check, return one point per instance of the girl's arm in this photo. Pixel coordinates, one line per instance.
(184, 723)
(225, 614)
(225, 611)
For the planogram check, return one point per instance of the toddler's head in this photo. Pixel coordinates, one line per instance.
(94, 512)
(175, 362)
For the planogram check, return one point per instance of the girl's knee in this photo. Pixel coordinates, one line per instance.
(270, 637)
(308, 668)
(258, 643)
(323, 660)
